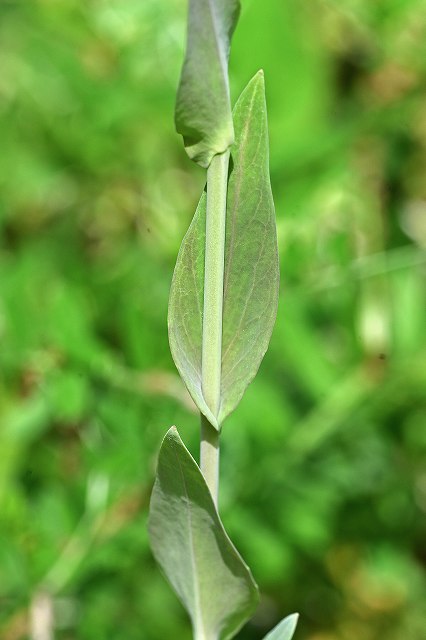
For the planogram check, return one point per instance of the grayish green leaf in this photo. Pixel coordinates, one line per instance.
(251, 279)
(203, 108)
(285, 629)
(193, 549)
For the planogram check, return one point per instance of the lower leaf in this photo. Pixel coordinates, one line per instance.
(192, 547)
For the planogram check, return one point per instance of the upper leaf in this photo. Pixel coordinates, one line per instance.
(251, 278)
(285, 629)
(193, 549)
(203, 109)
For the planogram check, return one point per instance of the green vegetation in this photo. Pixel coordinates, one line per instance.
(222, 308)
(192, 547)
(323, 464)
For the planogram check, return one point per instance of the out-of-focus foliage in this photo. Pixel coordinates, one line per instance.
(324, 464)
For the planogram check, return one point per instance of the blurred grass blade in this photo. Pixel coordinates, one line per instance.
(285, 629)
(193, 549)
(203, 108)
(251, 278)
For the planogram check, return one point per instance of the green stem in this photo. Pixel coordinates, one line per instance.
(217, 182)
(209, 457)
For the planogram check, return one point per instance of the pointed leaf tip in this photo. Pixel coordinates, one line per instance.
(285, 629)
(255, 84)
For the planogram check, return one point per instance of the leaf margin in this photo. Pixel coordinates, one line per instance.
(203, 113)
(189, 364)
(172, 439)
(285, 629)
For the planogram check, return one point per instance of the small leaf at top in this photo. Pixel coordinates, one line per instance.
(251, 278)
(285, 629)
(203, 108)
(190, 544)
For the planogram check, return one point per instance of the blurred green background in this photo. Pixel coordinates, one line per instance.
(324, 463)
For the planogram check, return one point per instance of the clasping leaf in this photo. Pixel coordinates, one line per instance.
(251, 277)
(203, 108)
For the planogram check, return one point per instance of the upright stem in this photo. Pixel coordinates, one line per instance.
(217, 181)
(209, 457)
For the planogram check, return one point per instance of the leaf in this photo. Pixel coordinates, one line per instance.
(203, 107)
(251, 279)
(285, 629)
(189, 542)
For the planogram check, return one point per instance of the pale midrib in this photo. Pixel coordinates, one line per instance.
(197, 598)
